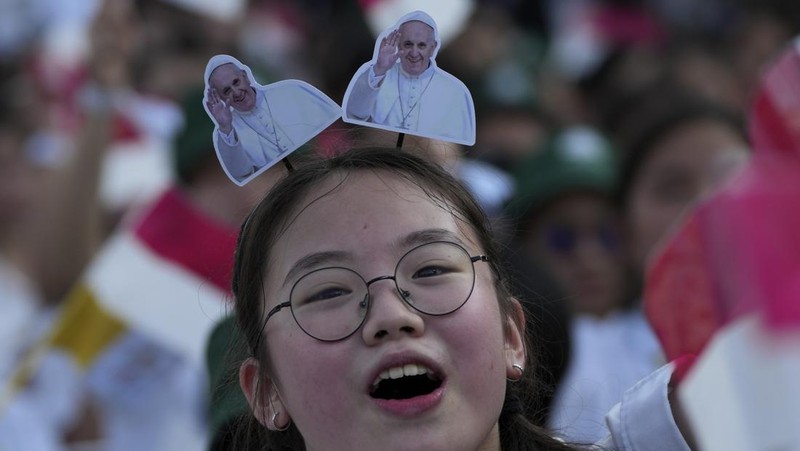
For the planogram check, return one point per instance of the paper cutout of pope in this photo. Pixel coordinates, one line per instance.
(257, 126)
(403, 90)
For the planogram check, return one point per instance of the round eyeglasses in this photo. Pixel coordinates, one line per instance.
(330, 304)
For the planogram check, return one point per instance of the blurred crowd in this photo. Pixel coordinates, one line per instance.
(599, 123)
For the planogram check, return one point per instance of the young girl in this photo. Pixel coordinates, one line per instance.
(377, 316)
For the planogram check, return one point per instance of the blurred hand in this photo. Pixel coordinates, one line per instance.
(113, 41)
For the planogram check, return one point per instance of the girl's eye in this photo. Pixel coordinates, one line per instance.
(326, 294)
(429, 271)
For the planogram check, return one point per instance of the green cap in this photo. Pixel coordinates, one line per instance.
(575, 159)
(194, 144)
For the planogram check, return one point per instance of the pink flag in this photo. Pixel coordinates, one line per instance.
(739, 252)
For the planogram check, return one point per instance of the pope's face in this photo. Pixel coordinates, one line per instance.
(233, 87)
(416, 46)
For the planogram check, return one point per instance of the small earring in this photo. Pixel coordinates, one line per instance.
(521, 372)
(275, 423)
(275, 418)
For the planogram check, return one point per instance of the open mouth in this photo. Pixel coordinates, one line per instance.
(405, 382)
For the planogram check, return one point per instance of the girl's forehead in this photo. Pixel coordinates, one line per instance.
(365, 196)
(366, 207)
(348, 188)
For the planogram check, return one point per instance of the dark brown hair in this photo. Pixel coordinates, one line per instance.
(270, 218)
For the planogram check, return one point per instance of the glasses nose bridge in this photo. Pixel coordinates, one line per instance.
(392, 277)
(403, 294)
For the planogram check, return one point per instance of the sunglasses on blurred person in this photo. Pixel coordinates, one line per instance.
(564, 239)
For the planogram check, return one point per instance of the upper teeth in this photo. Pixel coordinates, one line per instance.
(411, 369)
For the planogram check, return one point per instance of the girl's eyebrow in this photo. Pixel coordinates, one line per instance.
(311, 261)
(427, 236)
(315, 260)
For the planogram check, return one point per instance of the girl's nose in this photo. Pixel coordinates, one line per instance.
(389, 316)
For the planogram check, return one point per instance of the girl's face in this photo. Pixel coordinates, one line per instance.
(367, 224)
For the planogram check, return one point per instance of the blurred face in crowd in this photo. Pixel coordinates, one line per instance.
(233, 87)
(576, 237)
(416, 46)
(683, 166)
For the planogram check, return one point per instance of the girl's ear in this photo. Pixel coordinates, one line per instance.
(262, 396)
(515, 341)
